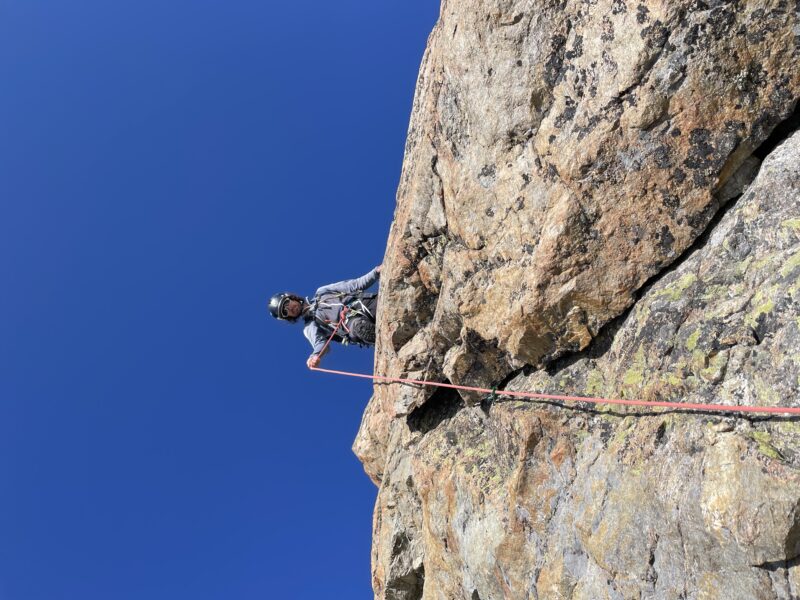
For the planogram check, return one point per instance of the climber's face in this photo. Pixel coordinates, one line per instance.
(292, 309)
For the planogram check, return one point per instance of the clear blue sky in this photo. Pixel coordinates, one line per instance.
(164, 167)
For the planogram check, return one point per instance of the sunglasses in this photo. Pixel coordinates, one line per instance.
(284, 307)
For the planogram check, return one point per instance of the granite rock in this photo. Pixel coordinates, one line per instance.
(578, 214)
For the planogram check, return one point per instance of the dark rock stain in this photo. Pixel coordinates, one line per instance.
(552, 68)
(701, 155)
(721, 22)
(669, 200)
(656, 35)
(608, 30)
(662, 157)
(487, 171)
(750, 82)
(568, 114)
(577, 48)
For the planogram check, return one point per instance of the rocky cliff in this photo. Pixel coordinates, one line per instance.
(598, 197)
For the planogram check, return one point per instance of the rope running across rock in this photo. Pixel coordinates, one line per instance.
(536, 396)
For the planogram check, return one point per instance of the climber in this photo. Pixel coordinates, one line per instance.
(324, 311)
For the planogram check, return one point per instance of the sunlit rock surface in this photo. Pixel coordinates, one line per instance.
(584, 210)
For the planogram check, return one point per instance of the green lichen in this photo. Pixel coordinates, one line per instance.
(495, 480)
(716, 292)
(480, 449)
(791, 264)
(716, 367)
(765, 447)
(699, 361)
(766, 307)
(766, 392)
(764, 304)
(594, 384)
(580, 436)
(742, 267)
(691, 342)
(675, 290)
(788, 427)
(685, 281)
(762, 437)
(635, 375)
(770, 451)
(623, 431)
(636, 470)
(791, 223)
(761, 263)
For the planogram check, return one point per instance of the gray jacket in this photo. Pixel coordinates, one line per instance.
(329, 310)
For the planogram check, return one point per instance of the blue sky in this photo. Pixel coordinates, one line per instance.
(164, 168)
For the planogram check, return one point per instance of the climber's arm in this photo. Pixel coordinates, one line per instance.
(317, 339)
(350, 286)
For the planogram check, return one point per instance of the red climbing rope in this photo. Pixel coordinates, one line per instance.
(533, 395)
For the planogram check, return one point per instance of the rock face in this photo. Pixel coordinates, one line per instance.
(578, 214)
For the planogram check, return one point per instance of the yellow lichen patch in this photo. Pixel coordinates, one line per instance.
(481, 449)
(767, 396)
(633, 377)
(714, 292)
(792, 263)
(635, 374)
(761, 263)
(791, 223)
(699, 361)
(763, 305)
(594, 383)
(765, 447)
(788, 427)
(675, 290)
(742, 267)
(691, 342)
(623, 431)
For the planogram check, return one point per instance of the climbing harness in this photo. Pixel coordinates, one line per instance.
(349, 310)
(536, 396)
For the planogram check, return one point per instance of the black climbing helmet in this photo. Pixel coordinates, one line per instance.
(277, 305)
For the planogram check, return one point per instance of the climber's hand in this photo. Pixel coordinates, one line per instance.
(378, 268)
(313, 361)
